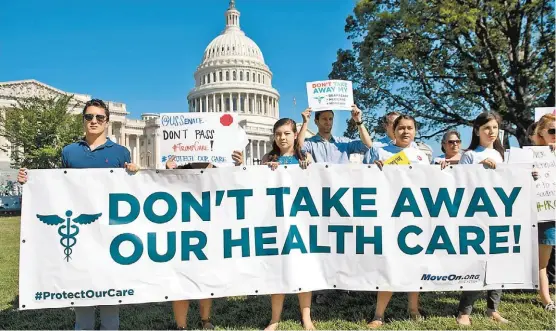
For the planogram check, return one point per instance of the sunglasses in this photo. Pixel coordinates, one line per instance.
(454, 142)
(551, 131)
(89, 117)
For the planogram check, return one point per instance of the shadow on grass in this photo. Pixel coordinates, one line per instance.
(349, 310)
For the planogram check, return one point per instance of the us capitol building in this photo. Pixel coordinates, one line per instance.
(232, 77)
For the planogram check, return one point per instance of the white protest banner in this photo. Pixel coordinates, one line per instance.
(540, 111)
(199, 137)
(545, 198)
(188, 234)
(330, 95)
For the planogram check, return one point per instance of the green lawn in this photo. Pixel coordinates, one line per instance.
(346, 311)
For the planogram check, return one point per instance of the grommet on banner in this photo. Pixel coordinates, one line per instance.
(410, 167)
(534, 225)
(421, 287)
(111, 171)
(536, 286)
(369, 166)
(285, 167)
(451, 167)
(244, 168)
(326, 166)
(72, 303)
(300, 288)
(157, 171)
(377, 287)
(201, 171)
(461, 287)
(212, 294)
(256, 291)
(166, 297)
(119, 301)
(23, 241)
(22, 306)
(334, 286)
(502, 286)
(65, 172)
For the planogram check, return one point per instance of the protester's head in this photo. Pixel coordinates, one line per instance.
(533, 138)
(404, 130)
(545, 131)
(388, 123)
(95, 116)
(285, 139)
(485, 132)
(324, 121)
(451, 143)
(197, 165)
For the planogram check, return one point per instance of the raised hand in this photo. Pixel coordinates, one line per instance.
(356, 114)
(306, 114)
(22, 176)
(380, 164)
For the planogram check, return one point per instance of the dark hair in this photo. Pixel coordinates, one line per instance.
(317, 114)
(384, 119)
(274, 154)
(404, 117)
(196, 165)
(445, 137)
(97, 103)
(481, 120)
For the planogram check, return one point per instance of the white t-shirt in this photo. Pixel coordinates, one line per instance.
(480, 154)
(384, 153)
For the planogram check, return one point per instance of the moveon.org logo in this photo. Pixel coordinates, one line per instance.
(450, 277)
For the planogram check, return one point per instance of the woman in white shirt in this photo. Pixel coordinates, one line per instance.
(404, 131)
(486, 149)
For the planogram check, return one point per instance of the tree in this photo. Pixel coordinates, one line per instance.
(445, 61)
(38, 129)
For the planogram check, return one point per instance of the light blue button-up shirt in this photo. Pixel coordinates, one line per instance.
(335, 151)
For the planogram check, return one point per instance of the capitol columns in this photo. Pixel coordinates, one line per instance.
(247, 105)
(251, 156)
(214, 102)
(221, 102)
(137, 151)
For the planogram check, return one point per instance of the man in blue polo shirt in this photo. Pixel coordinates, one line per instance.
(94, 151)
(326, 148)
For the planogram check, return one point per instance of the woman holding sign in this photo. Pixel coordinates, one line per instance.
(485, 149)
(287, 150)
(545, 136)
(404, 132)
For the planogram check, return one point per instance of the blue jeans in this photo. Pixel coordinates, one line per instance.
(109, 318)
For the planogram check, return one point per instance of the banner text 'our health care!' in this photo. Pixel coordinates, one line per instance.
(368, 239)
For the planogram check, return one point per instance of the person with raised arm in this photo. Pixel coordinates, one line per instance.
(326, 148)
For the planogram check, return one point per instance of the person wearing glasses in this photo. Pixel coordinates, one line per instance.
(95, 150)
(545, 135)
(451, 147)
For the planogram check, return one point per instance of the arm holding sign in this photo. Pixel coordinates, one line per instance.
(306, 115)
(237, 156)
(357, 117)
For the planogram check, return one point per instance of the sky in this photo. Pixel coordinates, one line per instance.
(144, 53)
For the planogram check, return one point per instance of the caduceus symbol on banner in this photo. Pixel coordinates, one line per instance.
(68, 231)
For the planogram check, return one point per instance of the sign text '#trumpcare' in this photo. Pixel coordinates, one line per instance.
(262, 241)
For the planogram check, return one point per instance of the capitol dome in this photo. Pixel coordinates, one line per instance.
(233, 77)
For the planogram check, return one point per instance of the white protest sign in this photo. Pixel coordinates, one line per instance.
(330, 95)
(540, 111)
(545, 165)
(171, 235)
(199, 137)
